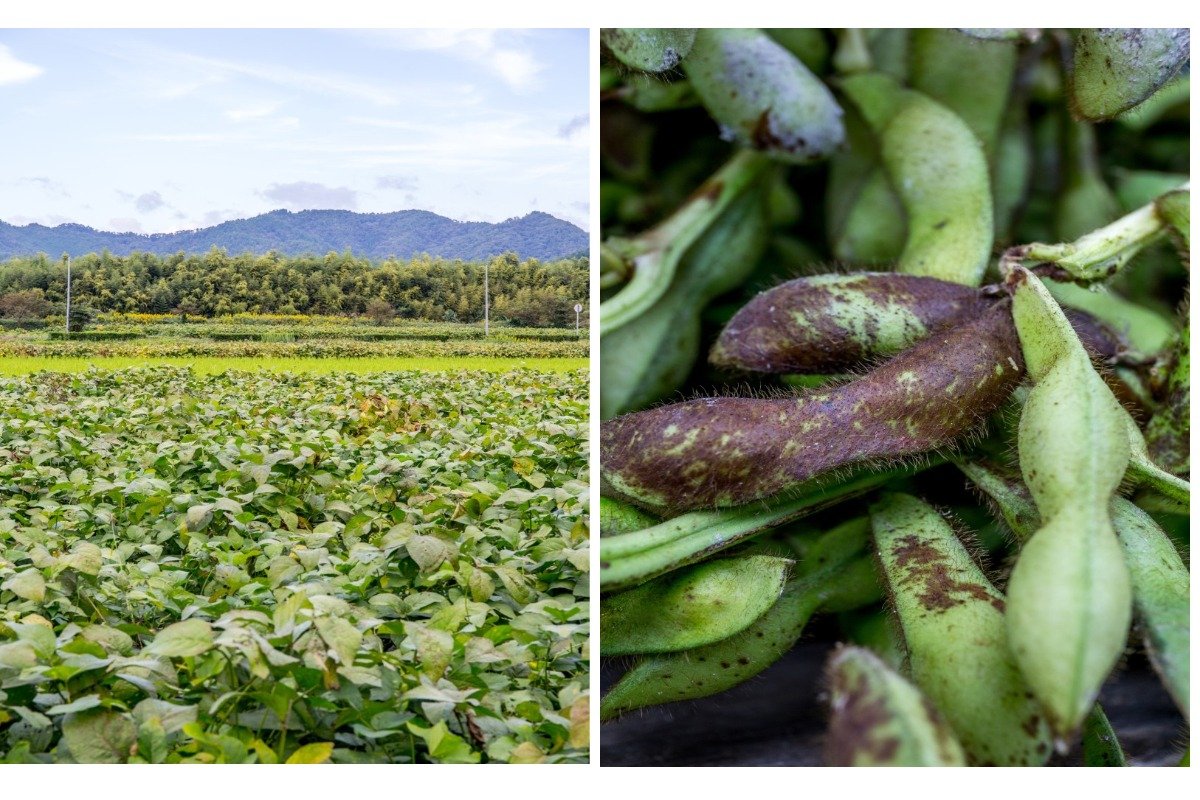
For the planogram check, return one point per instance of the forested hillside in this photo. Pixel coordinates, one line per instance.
(399, 234)
(528, 292)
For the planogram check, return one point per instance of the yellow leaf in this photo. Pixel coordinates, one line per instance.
(316, 753)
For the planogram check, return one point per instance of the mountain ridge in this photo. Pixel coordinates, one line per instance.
(374, 235)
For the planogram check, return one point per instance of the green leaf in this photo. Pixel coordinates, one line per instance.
(444, 746)
(99, 736)
(428, 551)
(342, 637)
(434, 647)
(172, 717)
(188, 638)
(28, 585)
(84, 557)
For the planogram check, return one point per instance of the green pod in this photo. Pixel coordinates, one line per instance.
(875, 630)
(836, 322)
(704, 671)
(641, 555)
(952, 621)
(1100, 745)
(807, 44)
(854, 171)
(650, 330)
(940, 173)
(879, 719)
(617, 518)
(1159, 578)
(649, 49)
(1168, 434)
(1147, 331)
(1069, 597)
(651, 94)
(692, 607)
(1136, 188)
(1012, 173)
(890, 51)
(728, 451)
(1117, 68)
(875, 226)
(1171, 100)
(972, 77)
(1086, 203)
(1160, 594)
(762, 96)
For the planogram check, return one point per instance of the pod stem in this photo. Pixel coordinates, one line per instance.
(1097, 255)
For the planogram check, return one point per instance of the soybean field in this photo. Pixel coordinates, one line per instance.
(269, 567)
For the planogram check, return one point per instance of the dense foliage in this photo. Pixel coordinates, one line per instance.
(254, 567)
(401, 234)
(526, 292)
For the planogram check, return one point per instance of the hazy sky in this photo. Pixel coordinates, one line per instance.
(166, 130)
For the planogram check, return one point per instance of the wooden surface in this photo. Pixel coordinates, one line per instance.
(778, 719)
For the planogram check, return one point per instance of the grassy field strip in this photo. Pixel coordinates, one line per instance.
(24, 365)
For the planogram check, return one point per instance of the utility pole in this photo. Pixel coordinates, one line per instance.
(486, 300)
(68, 296)
(578, 308)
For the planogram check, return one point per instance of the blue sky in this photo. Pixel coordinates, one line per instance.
(167, 130)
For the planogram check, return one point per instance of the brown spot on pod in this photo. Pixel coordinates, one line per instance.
(929, 571)
(727, 451)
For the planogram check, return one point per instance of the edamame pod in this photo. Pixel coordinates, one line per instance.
(617, 518)
(762, 96)
(972, 77)
(707, 670)
(1069, 597)
(1086, 202)
(952, 621)
(1161, 596)
(649, 49)
(727, 451)
(1158, 575)
(693, 607)
(875, 226)
(829, 323)
(650, 330)
(879, 719)
(641, 555)
(1100, 745)
(1117, 68)
(939, 170)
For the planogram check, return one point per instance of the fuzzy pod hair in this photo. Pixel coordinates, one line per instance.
(727, 451)
(826, 323)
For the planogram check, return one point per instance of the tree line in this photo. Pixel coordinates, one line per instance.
(523, 292)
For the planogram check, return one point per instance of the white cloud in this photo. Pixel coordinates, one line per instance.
(303, 195)
(495, 50)
(14, 70)
(125, 225)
